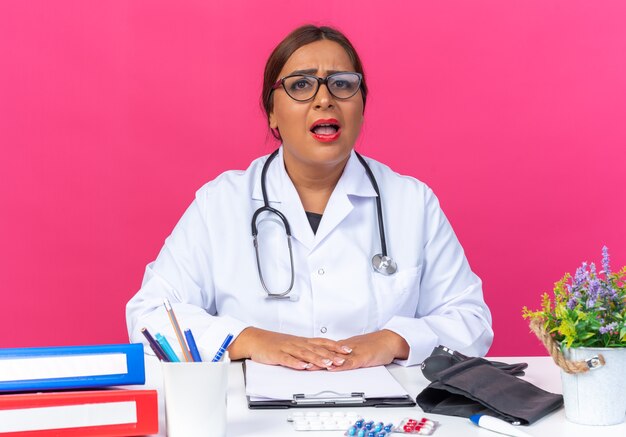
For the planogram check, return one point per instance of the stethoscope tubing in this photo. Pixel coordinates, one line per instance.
(383, 266)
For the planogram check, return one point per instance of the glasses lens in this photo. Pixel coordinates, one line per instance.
(344, 85)
(300, 87)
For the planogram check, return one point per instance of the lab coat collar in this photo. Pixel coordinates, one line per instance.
(282, 195)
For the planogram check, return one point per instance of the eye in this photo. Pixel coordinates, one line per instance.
(300, 84)
(344, 83)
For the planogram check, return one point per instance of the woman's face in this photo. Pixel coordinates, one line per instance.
(296, 121)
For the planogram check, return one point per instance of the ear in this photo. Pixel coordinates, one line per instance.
(272, 120)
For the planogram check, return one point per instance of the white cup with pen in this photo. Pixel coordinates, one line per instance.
(194, 389)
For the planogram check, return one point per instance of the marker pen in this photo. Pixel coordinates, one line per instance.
(497, 425)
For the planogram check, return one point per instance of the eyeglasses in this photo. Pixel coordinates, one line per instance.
(303, 87)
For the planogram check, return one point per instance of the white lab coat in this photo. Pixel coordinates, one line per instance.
(208, 271)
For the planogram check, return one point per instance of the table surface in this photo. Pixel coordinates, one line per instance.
(245, 422)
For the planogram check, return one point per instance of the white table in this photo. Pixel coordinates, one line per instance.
(273, 423)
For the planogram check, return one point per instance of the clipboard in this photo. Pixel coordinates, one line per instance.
(396, 397)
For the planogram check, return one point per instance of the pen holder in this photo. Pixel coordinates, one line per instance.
(195, 398)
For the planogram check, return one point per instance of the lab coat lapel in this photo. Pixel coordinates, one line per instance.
(282, 195)
(353, 182)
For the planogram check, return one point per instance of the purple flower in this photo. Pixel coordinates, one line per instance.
(605, 261)
(608, 328)
(573, 300)
(571, 303)
(580, 277)
(594, 292)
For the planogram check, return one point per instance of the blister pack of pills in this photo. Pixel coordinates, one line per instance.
(323, 420)
(421, 426)
(363, 428)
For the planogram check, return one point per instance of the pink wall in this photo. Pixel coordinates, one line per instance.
(113, 113)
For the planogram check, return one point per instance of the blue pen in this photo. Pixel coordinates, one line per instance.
(167, 348)
(191, 342)
(223, 347)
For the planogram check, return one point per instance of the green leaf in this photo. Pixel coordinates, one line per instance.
(587, 336)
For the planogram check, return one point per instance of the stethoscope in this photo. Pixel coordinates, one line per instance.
(381, 262)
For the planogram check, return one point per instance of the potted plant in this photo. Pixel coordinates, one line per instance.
(583, 326)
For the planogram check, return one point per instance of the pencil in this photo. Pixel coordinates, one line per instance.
(177, 331)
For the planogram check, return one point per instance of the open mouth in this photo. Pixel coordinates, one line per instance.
(326, 130)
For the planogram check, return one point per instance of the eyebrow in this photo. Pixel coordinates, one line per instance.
(313, 71)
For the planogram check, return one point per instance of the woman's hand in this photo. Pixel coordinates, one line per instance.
(374, 349)
(288, 350)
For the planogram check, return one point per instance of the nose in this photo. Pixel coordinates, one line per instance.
(323, 99)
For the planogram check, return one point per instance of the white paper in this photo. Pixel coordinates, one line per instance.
(265, 382)
(68, 416)
(62, 366)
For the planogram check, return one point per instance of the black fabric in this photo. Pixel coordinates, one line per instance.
(314, 220)
(475, 386)
(443, 357)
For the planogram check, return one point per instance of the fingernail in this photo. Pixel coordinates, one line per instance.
(346, 349)
(327, 362)
(307, 365)
(340, 361)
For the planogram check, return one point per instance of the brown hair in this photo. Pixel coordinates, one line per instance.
(300, 37)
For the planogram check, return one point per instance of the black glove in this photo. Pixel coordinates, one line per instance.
(443, 357)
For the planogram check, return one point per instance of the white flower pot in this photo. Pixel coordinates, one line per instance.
(596, 397)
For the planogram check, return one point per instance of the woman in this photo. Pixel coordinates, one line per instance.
(321, 301)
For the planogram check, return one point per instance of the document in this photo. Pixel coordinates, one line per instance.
(276, 386)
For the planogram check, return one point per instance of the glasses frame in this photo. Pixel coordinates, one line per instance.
(320, 81)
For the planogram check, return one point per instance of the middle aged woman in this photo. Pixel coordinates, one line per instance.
(322, 301)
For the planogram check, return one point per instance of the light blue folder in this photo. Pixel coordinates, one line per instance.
(71, 367)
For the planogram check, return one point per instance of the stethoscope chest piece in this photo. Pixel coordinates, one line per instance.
(384, 264)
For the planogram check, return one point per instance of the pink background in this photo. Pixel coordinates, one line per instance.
(113, 113)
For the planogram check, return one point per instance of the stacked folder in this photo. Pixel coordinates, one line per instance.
(71, 391)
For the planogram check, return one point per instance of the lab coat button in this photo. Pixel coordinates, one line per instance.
(320, 272)
(323, 330)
